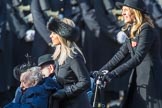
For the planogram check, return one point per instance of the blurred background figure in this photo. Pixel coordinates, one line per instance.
(160, 3)
(3, 63)
(2, 23)
(14, 41)
(41, 44)
(154, 8)
(20, 28)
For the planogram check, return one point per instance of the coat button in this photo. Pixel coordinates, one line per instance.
(62, 9)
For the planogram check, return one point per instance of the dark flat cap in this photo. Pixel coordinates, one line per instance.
(45, 59)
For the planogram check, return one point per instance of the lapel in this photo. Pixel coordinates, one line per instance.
(130, 47)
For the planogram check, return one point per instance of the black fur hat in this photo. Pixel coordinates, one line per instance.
(66, 31)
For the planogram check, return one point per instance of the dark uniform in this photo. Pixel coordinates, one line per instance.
(2, 22)
(99, 32)
(155, 11)
(66, 8)
(18, 27)
(14, 47)
(5, 56)
(42, 40)
(2, 36)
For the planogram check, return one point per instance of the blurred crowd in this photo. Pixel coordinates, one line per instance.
(23, 32)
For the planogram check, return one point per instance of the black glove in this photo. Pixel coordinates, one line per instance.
(60, 94)
(109, 76)
(95, 74)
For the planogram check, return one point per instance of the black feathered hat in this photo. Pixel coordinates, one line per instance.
(66, 31)
(135, 4)
(19, 69)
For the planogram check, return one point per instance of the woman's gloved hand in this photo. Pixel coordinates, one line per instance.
(60, 94)
(95, 74)
(109, 76)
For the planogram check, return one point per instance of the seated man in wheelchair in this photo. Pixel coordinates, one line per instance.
(34, 90)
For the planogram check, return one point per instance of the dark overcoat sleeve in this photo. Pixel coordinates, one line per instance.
(16, 22)
(107, 21)
(78, 67)
(117, 58)
(40, 21)
(88, 14)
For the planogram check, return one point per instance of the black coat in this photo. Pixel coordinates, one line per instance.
(146, 65)
(74, 77)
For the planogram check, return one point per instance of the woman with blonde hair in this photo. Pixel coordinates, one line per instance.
(141, 53)
(71, 72)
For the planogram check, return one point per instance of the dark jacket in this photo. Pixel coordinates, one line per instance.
(74, 77)
(65, 8)
(146, 65)
(34, 97)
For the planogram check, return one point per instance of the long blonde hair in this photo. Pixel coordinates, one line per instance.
(66, 47)
(139, 20)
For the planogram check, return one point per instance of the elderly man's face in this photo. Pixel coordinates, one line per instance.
(25, 82)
